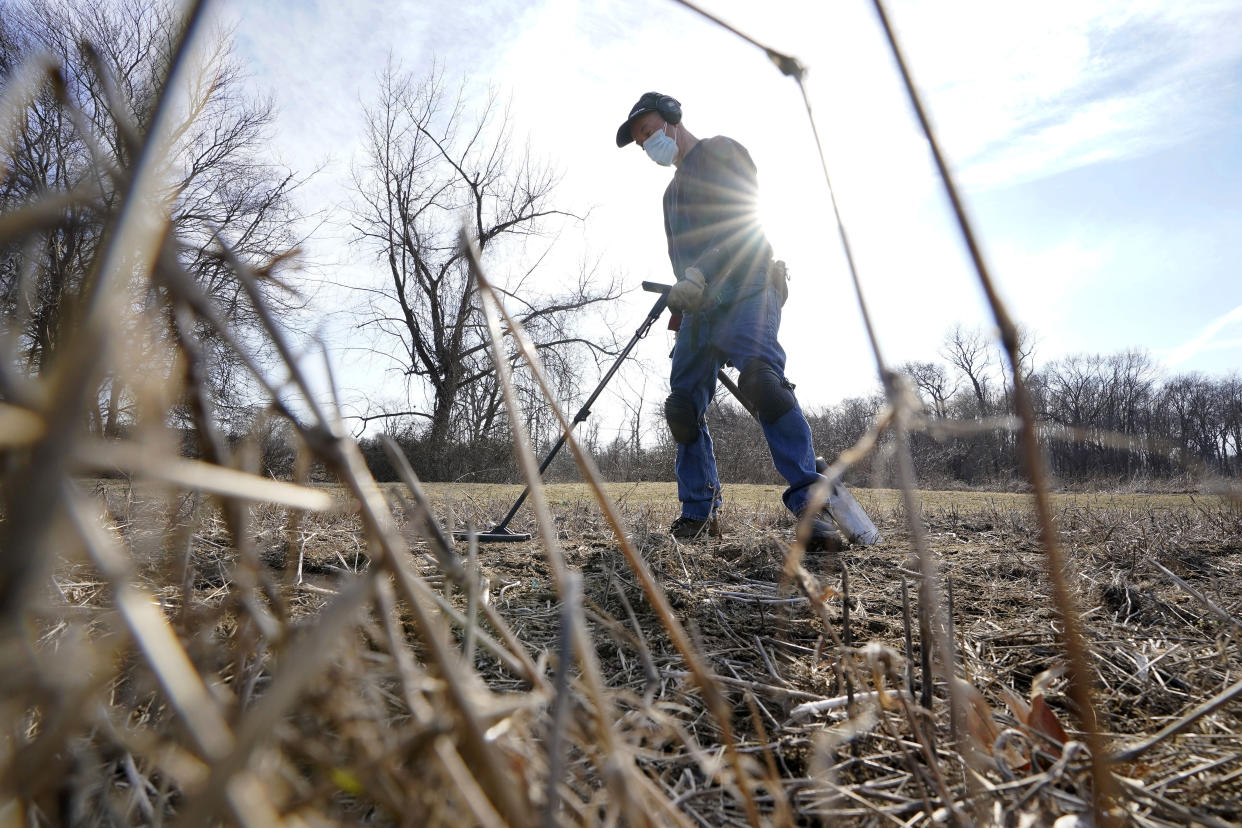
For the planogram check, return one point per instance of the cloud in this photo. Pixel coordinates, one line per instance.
(1021, 92)
(1202, 341)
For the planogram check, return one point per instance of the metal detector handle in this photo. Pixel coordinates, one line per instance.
(712, 291)
(585, 411)
(661, 303)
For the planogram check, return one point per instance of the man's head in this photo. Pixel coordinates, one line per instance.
(652, 111)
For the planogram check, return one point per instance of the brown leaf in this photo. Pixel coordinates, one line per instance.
(980, 726)
(1017, 706)
(1044, 721)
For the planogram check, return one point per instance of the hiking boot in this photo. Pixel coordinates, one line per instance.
(824, 536)
(688, 528)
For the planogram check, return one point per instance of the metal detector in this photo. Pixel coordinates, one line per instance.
(500, 532)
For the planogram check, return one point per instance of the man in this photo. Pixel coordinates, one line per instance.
(730, 300)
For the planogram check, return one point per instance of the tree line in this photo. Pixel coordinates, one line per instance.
(1102, 419)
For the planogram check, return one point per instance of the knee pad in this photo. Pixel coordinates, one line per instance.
(770, 393)
(683, 420)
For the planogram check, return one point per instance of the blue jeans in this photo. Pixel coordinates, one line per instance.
(740, 333)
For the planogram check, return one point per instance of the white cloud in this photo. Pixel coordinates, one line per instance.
(1202, 341)
(1024, 91)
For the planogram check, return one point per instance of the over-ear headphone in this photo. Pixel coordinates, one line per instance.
(669, 108)
(666, 106)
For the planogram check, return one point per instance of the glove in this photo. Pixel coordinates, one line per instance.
(690, 292)
(780, 279)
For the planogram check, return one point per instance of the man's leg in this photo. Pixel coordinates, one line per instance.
(784, 426)
(751, 336)
(692, 381)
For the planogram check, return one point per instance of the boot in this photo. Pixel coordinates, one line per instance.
(824, 536)
(688, 528)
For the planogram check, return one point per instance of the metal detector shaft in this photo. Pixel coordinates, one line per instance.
(585, 411)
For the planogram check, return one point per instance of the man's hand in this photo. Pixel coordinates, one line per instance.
(779, 275)
(690, 292)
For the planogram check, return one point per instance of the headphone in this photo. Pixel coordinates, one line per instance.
(668, 107)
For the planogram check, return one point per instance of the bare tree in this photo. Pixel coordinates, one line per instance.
(73, 141)
(1192, 416)
(1027, 341)
(634, 418)
(427, 163)
(934, 385)
(1230, 391)
(970, 352)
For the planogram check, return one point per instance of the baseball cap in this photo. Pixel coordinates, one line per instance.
(669, 108)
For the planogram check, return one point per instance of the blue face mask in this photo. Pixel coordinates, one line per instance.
(660, 148)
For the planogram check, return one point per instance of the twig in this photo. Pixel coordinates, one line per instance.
(758, 687)
(1203, 599)
(1224, 697)
(847, 636)
(561, 699)
(472, 597)
(909, 641)
(814, 708)
(650, 672)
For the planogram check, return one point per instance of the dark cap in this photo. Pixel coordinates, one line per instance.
(668, 107)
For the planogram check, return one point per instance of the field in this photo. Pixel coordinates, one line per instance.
(361, 734)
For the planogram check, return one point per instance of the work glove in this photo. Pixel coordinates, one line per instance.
(690, 292)
(780, 279)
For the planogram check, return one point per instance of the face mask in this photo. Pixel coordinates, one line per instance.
(660, 148)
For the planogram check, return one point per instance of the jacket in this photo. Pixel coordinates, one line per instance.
(711, 219)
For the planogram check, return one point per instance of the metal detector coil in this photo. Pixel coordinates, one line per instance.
(497, 534)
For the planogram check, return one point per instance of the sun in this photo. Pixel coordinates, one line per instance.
(776, 213)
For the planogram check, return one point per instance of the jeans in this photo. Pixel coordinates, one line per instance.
(740, 333)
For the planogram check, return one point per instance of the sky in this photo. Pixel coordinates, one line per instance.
(1098, 145)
